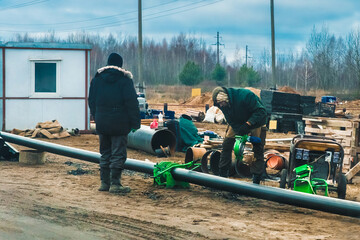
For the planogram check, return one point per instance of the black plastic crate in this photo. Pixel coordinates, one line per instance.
(325, 109)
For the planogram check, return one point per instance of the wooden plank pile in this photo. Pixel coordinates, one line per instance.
(211, 144)
(345, 131)
(146, 122)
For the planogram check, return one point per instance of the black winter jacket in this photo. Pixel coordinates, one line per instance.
(113, 101)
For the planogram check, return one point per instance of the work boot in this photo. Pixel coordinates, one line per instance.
(223, 172)
(256, 178)
(116, 186)
(105, 179)
(225, 157)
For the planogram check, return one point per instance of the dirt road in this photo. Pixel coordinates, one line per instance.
(50, 202)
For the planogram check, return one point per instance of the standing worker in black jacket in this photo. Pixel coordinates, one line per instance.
(113, 104)
(245, 113)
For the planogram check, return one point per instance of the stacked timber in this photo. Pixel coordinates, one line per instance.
(344, 131)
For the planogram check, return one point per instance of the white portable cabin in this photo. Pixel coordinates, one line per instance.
(42, 82)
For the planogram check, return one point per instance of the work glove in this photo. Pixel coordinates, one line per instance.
(133, 130)
(244, 129)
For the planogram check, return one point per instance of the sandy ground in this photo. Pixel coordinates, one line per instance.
(48, 202)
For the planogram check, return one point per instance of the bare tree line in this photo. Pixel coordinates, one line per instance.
(162, 61)
(327, 62)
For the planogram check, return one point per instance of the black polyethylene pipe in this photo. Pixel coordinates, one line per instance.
(326, 204)
(131, 164)
(149, 140)
(306, 200)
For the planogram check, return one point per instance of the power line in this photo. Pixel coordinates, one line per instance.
(25, 4)
(154, 17)
(129, 20)
(85, 20)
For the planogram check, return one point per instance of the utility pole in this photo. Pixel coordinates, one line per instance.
(246, 56)
(217, 48)
(273, 43)
(140, 52)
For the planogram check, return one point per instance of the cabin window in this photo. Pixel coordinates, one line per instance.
(45, 78)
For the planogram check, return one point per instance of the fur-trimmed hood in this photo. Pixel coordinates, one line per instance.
(126, 73)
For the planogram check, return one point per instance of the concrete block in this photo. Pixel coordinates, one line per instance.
(32, 157)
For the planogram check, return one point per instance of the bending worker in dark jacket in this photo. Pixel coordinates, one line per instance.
(114, 105)
(245, 114)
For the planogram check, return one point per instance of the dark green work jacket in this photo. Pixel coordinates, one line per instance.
(244, 106)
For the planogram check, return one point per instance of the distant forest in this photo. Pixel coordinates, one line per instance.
(327, 62)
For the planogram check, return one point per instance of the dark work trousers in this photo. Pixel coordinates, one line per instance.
(113, 151)
(256, 167)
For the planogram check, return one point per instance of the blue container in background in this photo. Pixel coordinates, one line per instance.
(328, 99)
(155, 112)
(169, 114)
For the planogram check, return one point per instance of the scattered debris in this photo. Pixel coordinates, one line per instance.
(69, 163)
(198, 116)
(79, 171)
(74, 132)
(163, 152)
(79, 168)
(152, 195)
(214, 115)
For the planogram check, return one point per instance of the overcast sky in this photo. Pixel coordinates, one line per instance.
(239, 22)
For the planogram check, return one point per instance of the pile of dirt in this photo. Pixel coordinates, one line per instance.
(205, 98)
(288, 89)
(349, 104)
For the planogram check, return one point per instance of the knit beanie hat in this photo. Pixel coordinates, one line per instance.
(219, 95)
(115, 60)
